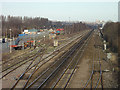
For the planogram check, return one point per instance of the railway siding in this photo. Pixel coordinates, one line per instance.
(16, 74)
(58, 55)
(72, 53)
(89, 73)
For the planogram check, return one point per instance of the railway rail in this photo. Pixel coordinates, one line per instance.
(49, 72)
(7, 64)
(16, 57)
(26, 60)
(94, 80)
(66, 75)
(23, 60)
(20, 63)
(38, 65)
(19, 60)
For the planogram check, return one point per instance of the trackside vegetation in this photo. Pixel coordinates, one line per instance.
(111, 35)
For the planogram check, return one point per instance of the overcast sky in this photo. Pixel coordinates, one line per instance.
(59, 0)
(77, 10)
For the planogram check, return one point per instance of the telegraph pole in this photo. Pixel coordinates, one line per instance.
(6, 38)
(6, 33)
(10, 42)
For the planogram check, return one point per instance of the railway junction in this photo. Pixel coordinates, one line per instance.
(78, 62)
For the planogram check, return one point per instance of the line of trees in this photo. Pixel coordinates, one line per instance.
(75, 27)
(17, 24)
(111, 35)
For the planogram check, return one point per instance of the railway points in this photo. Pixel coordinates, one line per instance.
(58, 69)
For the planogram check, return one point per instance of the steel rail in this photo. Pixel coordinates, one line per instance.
(19, 58)
(60, 65)
(34, 65)
(100, 77)
(77, 62)
(53, 53)
(54, 71)
(23, 73)
(27, 61)
(14, 69)
(11, 59)
(6, 61)
(31, 57)
(32, 72)
(45, 71)
(48, 68)
(42, 74)
(91, 76)
(35, 71)
(18, 66)
(53, 86)
(92, 70)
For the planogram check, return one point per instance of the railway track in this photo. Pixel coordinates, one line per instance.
(16, 57)
(96, 75)
(19, 60)
(30, 58)
(33, 65)
(56, 66)
(20, 63)
(64, 78)
(38, 65)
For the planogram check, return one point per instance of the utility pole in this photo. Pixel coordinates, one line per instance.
(10, 42)
(69, 24)
(6, 38)
(6, 33)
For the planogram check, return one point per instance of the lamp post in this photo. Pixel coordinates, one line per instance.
(10, 42)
